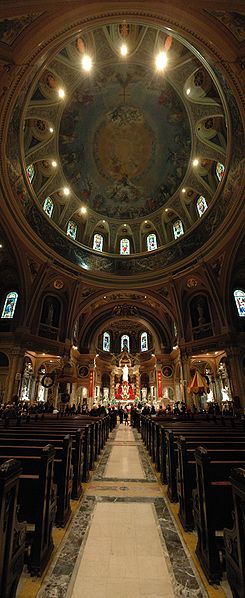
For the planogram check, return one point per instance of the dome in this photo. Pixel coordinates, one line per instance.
(122, 161)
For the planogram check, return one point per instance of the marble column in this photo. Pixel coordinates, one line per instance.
(159, 380)
(186, 376)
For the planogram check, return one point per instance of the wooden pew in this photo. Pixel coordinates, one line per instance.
(198, 434)
(37, 503)
(186, 471)
(212, 506)
(12, 533)
(234, 539)
(10, 446)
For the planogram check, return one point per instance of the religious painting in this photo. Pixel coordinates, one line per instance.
(125, 343)
(11, 28)
(30, 171)
(106, 341)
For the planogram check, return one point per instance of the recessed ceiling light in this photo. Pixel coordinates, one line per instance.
(195, 162)
(161, 61)
(83, 210)
(1, 246)
(104, 297)
(61, 93)
(54, 163)
(51, 130)
(166, 209)
(86, 62)
(103, 221)
(124, 50)
(146, 221)
(188, 91)
(183, 190)
(66, 190)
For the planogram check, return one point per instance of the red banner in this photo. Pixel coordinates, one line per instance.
(159, 384)
(91, 384)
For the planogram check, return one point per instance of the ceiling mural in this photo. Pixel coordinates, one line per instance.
(11, 28)
(234, 21)
(125, 141)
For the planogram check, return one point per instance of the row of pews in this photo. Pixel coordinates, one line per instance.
(202, 461)
(44, 461)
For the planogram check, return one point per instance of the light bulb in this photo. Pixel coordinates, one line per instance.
(195, 162)
(124, 50)
(66, 191)
(161, 61)
(61, 93)
(86, 62)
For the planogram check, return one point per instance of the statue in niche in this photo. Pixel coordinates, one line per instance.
(125, 373)
(50, 314)
(201, 316)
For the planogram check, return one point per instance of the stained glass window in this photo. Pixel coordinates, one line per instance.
(48, 206)
(9, 305)
(124, 247)
(125, 346)
(239, 297)
(144, 341)
(220, 169)
(201, 205)
(106, 341)
(71, 230)
(151, 242)
(178, 229)
(98, 242)
(30, 171)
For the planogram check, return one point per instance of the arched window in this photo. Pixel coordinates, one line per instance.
(202, 205)
(48, 206)
(151, 242)
(144, 341)
(125, 346)
(98, 242)
(9, 305)
(30, 171)
(124, 247)
(71, 230)
(220, 169)
(239, 297)
(178, 229)
(106, 341)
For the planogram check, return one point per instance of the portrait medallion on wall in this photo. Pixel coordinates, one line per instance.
(83, 371)
(167, 371)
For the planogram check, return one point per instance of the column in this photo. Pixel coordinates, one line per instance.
(186, 376)
(91, 386)
(112, 385)
(235, 374)
(15, 368)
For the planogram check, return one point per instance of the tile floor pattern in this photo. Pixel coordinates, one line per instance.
(123, 542)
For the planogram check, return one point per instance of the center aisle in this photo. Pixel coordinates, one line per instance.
(122, 542)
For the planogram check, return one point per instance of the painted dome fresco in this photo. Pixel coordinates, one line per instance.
(125, 162)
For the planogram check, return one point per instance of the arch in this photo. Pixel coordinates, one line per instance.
(48, 206)
(9, 305)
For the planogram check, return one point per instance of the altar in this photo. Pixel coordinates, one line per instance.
(125, 379)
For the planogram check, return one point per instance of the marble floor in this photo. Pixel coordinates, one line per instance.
(123, 541)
